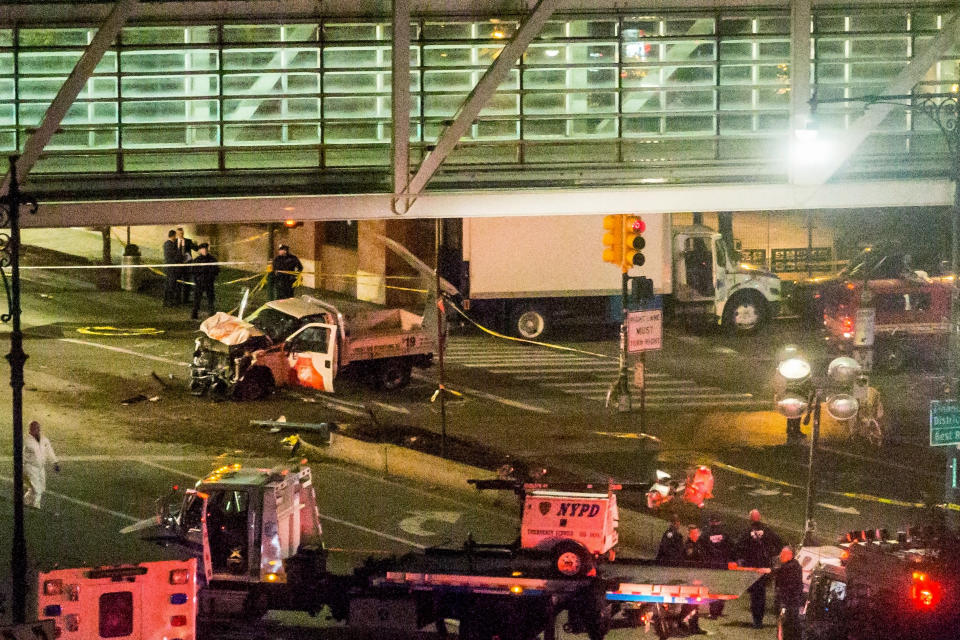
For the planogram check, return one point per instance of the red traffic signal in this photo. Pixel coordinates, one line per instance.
(633, 242)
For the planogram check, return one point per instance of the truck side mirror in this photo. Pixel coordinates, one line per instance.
(168, 508)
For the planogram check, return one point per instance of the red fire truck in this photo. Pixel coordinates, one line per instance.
(912, 318)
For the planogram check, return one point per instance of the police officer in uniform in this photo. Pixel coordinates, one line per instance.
(756, 549)
(204, 276)
(718, 553)
(789, 588)
(282, 282)
(671, 543)
(694, 552)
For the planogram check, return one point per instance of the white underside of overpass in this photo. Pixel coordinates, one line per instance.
(652, 199)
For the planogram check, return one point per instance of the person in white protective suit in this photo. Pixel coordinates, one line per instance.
(37, 453)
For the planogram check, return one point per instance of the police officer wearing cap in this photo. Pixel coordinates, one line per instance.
(204, 275)
(718, 552)
(282, 276)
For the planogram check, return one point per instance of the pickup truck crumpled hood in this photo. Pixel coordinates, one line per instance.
(227, 329)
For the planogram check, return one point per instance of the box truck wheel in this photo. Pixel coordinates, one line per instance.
(392, 374)
(571, 559)
(745, 313)
(529, 321)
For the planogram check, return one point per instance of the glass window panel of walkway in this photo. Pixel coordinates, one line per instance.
(638, 91)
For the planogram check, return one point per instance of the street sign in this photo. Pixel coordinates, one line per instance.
(863, 327)
(644, 331)
(638, 375)
(944, 423)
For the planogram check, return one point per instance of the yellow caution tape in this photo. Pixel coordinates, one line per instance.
(540, 344)
(627, 435)
(118, 332)
(866, 497)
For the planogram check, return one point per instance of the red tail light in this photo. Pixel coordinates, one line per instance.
(925, 592)
(179, 576)
(178, 621)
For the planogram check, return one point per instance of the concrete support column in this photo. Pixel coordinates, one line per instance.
(371, 261)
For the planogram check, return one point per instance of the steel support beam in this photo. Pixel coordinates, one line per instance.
(401, 105)
(851, 139)
(800, 46)
(492, 78)
(542, 202)
(71, 88)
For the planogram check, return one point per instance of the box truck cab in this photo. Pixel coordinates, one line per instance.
(525, 274)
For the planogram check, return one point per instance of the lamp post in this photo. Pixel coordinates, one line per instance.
(803, 397)
(10, 256)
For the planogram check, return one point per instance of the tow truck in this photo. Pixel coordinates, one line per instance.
(885, 589)
(257, 537)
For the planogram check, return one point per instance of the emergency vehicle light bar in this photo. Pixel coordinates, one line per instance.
(115, 573)
(519, 486)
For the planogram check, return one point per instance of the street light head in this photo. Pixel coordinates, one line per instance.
(842, 406)
(794, 369)
(792, 405)
(788, 351)
(844, 370)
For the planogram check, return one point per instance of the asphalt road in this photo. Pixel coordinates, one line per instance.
(115, 405)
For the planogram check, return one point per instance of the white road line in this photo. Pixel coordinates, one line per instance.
(126, 351)
(109, 458)
(345, 523)
(164, 467)
(680, 403)
(694, 396)
(88, 505)
(487, 396)
(350, 411)
(390, 407)
(658, 384)
(724, 350)
(357, 405)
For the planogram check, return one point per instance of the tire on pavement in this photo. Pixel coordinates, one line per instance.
(745, 313)
(529, 321)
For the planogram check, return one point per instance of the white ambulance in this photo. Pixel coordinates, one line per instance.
(146, 601)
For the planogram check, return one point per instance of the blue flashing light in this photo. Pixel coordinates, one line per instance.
(52, 610)
(178, 598)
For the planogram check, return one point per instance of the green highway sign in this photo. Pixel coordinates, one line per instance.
(944, 423)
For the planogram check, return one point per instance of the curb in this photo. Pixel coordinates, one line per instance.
(640, 531)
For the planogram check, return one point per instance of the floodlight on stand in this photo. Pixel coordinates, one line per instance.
(844, 370)
(792, 405)
(842, 406)
(794, 369)
(788, 351)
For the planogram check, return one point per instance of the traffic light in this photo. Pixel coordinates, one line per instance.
(633, 242)
(613, 239)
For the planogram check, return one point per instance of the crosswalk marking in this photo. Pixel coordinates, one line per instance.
(591, 377)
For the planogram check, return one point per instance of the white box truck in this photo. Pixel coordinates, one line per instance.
(526, 273)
